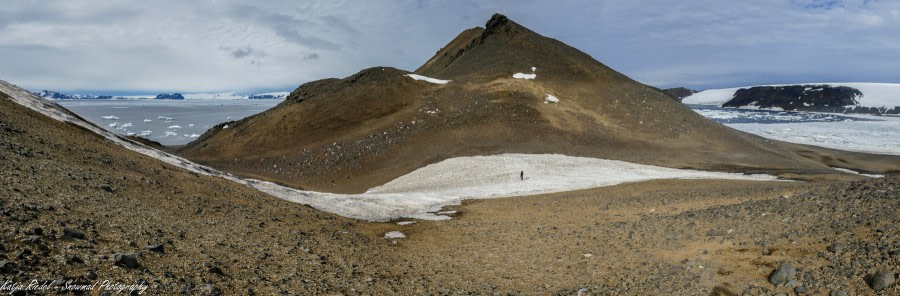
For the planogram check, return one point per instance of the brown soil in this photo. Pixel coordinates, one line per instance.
(61, 222)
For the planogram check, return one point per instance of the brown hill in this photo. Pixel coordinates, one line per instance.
(71, 200)
(348, 135)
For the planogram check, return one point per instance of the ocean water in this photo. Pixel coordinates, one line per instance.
(853, 132)
(168, 122)
(179, 122)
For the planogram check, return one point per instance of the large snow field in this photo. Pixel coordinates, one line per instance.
(423, 192)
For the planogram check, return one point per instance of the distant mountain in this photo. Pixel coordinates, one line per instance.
(175, 96)
(868, 98)
(53, 95)
(61, 96)
(679, 93)
(269, 96)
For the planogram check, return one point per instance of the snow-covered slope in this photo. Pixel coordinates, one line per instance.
(874, 94)
(233, 96)
(424, 191)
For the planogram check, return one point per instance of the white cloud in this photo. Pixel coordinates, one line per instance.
(231, 46)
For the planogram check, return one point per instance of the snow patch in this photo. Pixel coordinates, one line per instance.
(849, 171)
(524, 76)
(427, 79)
(551, 99)
(394, 235)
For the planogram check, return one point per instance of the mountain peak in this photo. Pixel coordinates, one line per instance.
(499, 24)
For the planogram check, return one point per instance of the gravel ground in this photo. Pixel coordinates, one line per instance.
(76, 209)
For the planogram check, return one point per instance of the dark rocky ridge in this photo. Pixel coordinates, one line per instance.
(679, 93)
(817, 98)
(175, 96)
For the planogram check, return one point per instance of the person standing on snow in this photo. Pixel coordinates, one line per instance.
(522, 175)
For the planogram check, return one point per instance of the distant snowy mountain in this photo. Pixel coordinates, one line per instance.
(61, 96)
(53, 95)
(871, 98)
(271, 95)
(235, 96)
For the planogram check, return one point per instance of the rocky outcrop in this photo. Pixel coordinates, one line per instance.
(797, 97)
(816, 98)
(175, 96)
(679, 93)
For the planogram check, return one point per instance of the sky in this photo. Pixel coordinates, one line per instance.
(145, 47)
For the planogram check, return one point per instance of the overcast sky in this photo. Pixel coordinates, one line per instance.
(119, 47)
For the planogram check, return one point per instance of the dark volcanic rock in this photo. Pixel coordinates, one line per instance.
(823, 98)
(836, 247)
(156, 248)
(784, 273)
(679, 93)
(125, 260)
(882, 280)
(6, 267)
(209, 290)
(175, 96)
(106, 187)
(72, 234)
